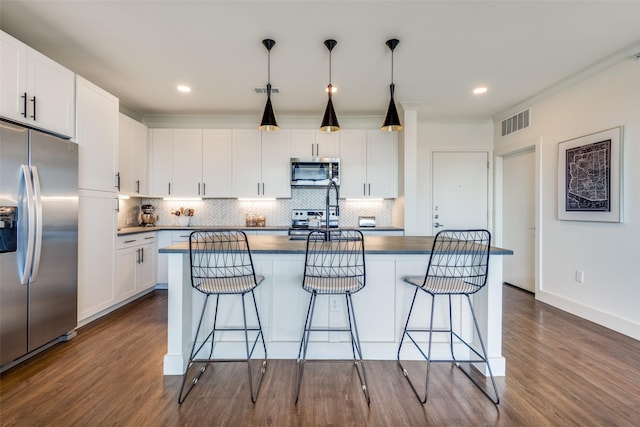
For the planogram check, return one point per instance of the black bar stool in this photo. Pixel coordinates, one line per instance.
(458, 265)
(221, 264)
(334, 265)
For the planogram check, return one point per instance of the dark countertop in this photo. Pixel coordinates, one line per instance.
(136, 230)
(374, 245)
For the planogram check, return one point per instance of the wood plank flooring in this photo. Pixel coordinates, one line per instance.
(561, 370)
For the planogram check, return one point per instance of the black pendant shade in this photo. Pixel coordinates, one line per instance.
(268, 122)
(391, 120)
(330, 120)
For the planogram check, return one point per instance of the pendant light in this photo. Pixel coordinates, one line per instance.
(391, 119)
(330, 121)
(268, 123)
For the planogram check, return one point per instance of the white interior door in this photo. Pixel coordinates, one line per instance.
(518, 224)
(460, 190)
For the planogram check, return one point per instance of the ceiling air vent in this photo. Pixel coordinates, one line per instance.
(264, 90)
(516, 122)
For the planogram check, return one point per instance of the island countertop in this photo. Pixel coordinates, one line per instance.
(378, 245)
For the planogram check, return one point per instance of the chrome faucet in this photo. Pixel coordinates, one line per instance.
(328, 205)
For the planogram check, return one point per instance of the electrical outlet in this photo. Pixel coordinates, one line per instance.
(334, 304)
(129, 221)
(579, 276)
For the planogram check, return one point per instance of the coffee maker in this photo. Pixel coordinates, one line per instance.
(148, 216)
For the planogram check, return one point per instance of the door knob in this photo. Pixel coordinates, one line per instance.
(437, 225)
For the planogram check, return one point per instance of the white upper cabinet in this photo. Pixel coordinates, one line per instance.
(160, 161)
(217, 156)
(191, 162)
(187, 163)
(314, 143)
(368, 163)
(176, 162)
(133, 155)
(97, 135)
(35, 91)
(261, 163)
(276, 158)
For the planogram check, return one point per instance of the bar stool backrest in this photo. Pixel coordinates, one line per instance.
(221, 262)
(334, 266)
(459, 261)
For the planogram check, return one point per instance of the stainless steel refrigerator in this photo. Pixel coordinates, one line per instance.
(38, 240)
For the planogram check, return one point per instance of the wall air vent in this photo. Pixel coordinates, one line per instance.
(515, 123)
(264, 90)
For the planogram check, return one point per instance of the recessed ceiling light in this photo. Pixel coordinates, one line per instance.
(184, 89)
(480, 90)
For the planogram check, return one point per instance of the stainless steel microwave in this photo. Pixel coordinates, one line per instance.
(314, 171)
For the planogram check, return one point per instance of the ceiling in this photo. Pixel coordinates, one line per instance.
(141, 50)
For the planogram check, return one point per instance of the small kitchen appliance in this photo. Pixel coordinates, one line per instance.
(314, 171)
(148, 216)
(305, 220)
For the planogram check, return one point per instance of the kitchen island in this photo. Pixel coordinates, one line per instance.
(381, 307)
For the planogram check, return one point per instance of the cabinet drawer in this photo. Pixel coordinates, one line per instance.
(180, 236)
(135, 240)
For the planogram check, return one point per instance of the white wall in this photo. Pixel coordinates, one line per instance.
(608, 253)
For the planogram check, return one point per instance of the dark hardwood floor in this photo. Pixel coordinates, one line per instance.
(561, 370)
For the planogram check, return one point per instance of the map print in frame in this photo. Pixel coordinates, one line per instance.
(589, 178)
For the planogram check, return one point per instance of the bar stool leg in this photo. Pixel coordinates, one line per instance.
(355, 347)
(183, 395)
(304, 343)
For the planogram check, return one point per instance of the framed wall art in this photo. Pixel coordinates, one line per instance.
(590, 177)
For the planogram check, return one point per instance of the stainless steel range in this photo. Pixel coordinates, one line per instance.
(305, 220)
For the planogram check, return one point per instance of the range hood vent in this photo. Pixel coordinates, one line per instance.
(264, 90)
(516, 122)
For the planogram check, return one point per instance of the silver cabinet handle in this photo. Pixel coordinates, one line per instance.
(138, 186)
(198, 189)
(204, 188)
(118, 181)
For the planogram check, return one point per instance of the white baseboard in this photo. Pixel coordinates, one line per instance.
(608, 320)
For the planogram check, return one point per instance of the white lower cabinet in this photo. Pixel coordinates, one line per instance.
(135, 264)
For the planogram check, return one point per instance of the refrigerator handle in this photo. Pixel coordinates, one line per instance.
(28, 261)
(38, 213)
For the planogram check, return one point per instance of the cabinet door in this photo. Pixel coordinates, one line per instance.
(303, 142)
(328, 144)
(140, 158)
(126, 162)
(126, 266)
(246, 163)
(353, 159)
(13, 78)
(216, 163)
(97, 137)
(51, 94)
(133, 155)
(160, 153)
(276, 156)
(146, 268)
(187, 163)
(382, 164)
(97, 223)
